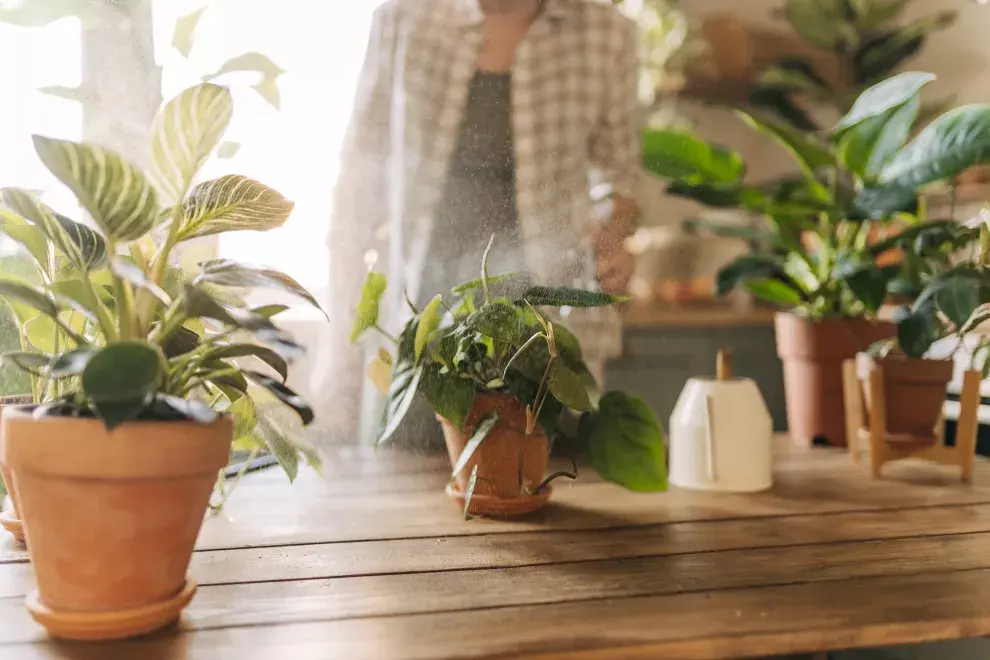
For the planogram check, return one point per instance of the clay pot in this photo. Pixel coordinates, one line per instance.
(813, 353)
(505, 453)
(914, 391)
(116, 567)
(10, 519)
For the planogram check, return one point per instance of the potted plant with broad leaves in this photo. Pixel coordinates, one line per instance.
(819, 257)
(147, 383)
(498, 372)
(952, 305)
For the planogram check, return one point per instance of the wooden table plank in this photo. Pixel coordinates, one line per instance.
(270, 603)
(697, 626)
(329, 560)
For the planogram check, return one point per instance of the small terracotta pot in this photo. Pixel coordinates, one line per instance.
(116, 566)
(506, 453)
(914, 391)
(10, 519)
(812, 353)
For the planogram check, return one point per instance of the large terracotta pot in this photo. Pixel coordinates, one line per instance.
(914, 391)
(506, 454)
(813, 353)
(10, 519)
(111, 517)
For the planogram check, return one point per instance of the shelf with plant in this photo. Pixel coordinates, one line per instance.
(499, 373)
(820, 258)
(154, 373)
(951, 306)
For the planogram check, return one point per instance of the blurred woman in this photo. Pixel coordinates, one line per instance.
(476, 117)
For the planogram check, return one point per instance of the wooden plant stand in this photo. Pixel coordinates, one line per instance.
(885, 448)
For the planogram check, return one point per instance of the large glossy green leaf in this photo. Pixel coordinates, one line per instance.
(820, 22)
(498, 320)
(882, 53)
(952, 143)
(227, 272)
(366, 314)
(774, 291)
(406, 376)
(805, 149)
(881, 202)
(568, 386)
(283, 394)
(120, 379)
(232, 203)
(870, 283)
(481, 431)
(119, 198)
(563, 296)
(916, 331)
(684, 157)
(184, 132)
(84, 248)
(869, 145)
(958, 300)
(428, 322)
(263, 353)
(626, 444)
(449, 395)
(885, 96)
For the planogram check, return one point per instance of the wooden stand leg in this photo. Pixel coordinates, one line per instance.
(878, 422)
(852, 399)
(968, 424)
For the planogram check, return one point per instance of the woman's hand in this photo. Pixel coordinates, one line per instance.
(615, 266)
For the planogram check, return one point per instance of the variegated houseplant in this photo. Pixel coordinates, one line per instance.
(145, 383)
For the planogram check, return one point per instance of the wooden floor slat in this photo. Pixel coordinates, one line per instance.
(533, 548)
(416, 593)
(739, 623)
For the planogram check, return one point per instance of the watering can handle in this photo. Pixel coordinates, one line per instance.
(710, 436)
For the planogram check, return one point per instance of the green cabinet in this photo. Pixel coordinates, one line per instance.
(656, 362)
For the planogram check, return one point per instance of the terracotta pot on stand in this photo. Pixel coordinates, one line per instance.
(116, 567)
(812, 353)
(10, 518)
(914, 391)
(506, 454)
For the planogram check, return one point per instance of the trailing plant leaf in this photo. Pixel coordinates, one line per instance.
(198, 303)
(952, 143)
(563, 296)
(568, 387)
(751, 267)
(428, 322)
(268, 311)
(870, 284)
(792, 75)
(192, 409)
(120, 200)
(278, 444)
(884, 97)
(916, 331)
(366, 315)
(406, 376)
(227, 272)
(180, 342)
(28, 295)
(283, 394)
(683, 157)
(471, 285)
(498, 320)
(958, 300)
(481, 431)
(774, 291)
(72, 363)
(626, 444)
(83, 247)
(27, 361)
(232, 203)
(29, 237)
(820, 22)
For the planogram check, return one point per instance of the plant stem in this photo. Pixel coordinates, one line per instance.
(484, 270)
(386, 334)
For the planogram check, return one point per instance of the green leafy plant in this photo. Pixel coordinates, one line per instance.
(867, 43)
(818, 254)
(473, 341)
(953, 302)
(112, 329)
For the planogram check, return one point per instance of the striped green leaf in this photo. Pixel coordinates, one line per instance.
(226, 272)
(117, 195)
(232, 203)
(185, 132)
(83, 247)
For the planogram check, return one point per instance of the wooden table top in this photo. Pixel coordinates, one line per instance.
(375, 562)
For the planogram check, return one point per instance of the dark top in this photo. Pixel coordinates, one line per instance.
(479, 198)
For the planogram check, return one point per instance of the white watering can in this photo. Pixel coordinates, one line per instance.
(721, 434)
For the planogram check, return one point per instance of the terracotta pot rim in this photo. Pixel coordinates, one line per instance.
(26, 411)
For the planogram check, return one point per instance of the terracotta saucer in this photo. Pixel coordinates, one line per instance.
(500, 507)
(12, 525)
(120, 624)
